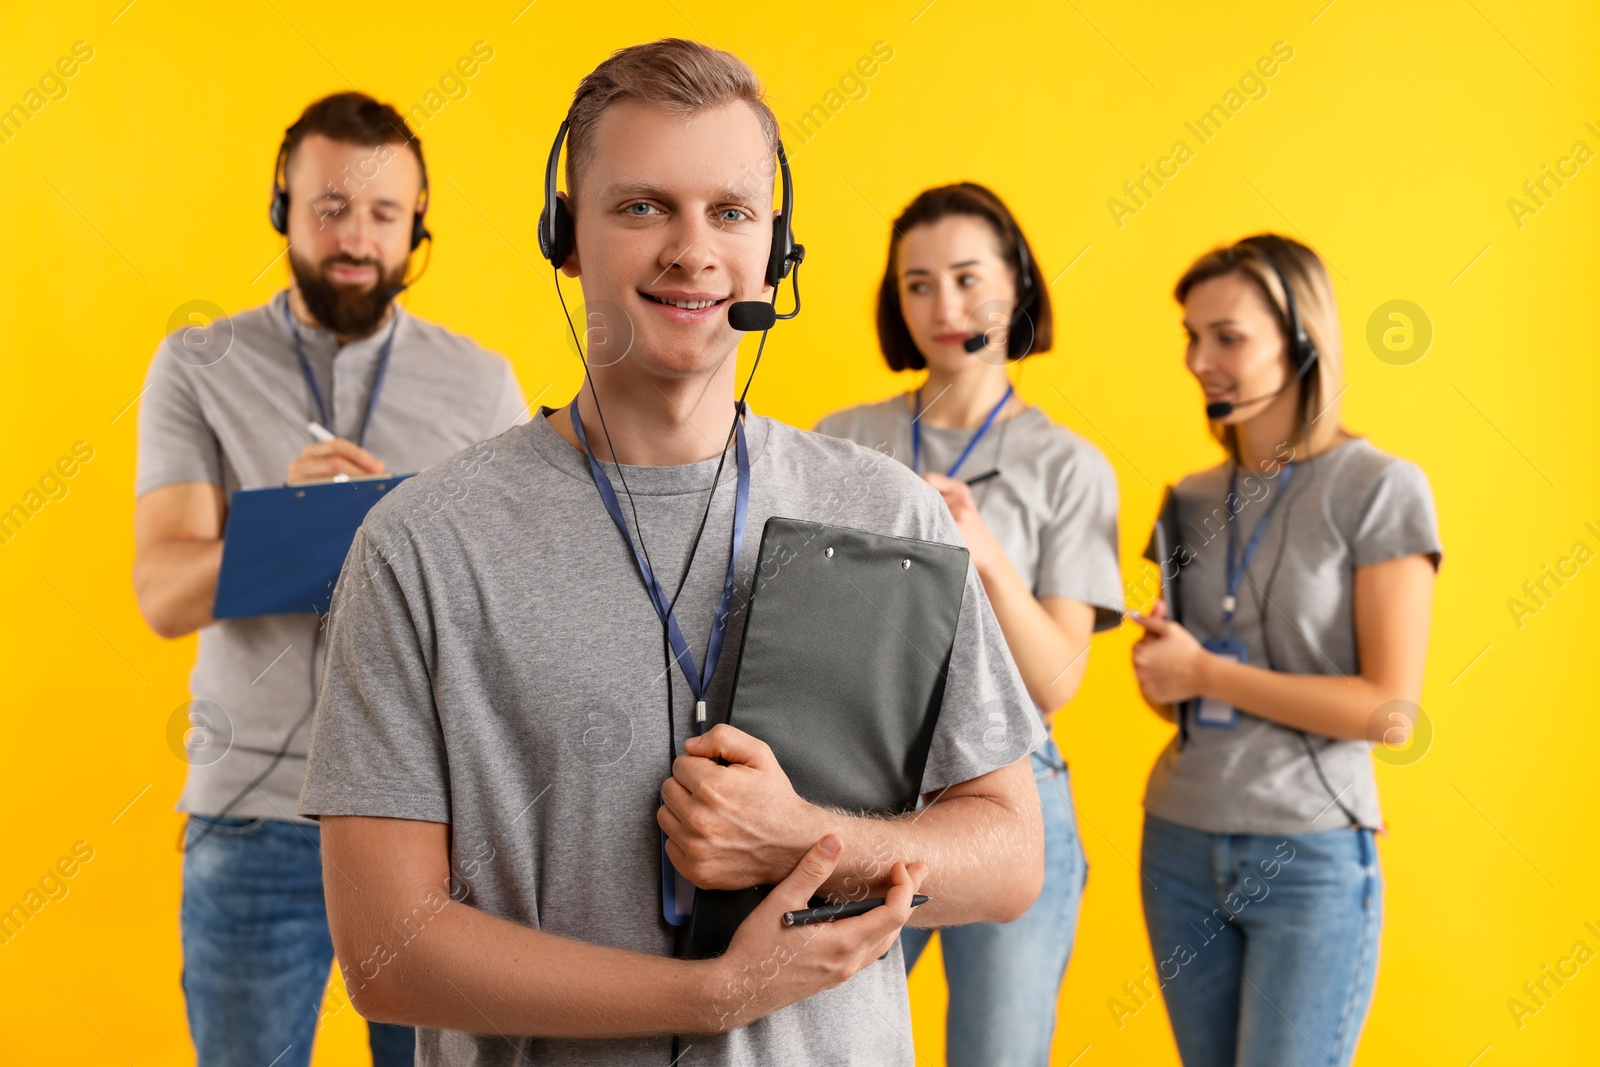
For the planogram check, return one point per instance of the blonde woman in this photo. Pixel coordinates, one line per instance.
(1305, 577)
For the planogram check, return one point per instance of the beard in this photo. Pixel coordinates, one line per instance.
(346, 310)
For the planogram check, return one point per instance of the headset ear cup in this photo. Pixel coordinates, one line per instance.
(1304, 350)
(542, 231)
(278, 212)
(419, 231)
(560, 233)
(1019, 342)
(778, 258)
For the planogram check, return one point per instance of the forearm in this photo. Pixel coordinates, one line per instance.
(740, 823)
(1337, 706)
(463, 969)
(176, 584)
(985, 857)
(1050, 662)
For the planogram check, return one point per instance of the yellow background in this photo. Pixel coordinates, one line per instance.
(1391, 142)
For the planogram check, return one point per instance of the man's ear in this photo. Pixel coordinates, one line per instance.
(570, 266)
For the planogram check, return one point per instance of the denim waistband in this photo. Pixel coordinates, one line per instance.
(1048, 756)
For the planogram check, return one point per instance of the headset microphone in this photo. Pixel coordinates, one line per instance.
(981, 340)
(1223, 408)
(752, 316)
(1302, 350)
(392, 291)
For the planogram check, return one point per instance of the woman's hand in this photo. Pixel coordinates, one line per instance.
(986, 551)
(1168, 662)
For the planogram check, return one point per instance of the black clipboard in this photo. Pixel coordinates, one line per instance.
(1167, 542)
(283, 547)
(847, 640)
(1170, 549)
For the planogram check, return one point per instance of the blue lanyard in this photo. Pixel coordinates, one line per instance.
(698, 682)
(1236, 568)
(311, 379)
(916, 435)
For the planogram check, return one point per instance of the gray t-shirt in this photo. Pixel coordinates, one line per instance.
(230, 407)
(495, 664)
(1348, 507)
(1053, 508)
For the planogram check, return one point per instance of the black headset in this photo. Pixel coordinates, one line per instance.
(1016, 347)
(1302, 349)
(556, 231)
(278, 211)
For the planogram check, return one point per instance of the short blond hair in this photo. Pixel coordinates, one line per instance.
(673, 74)
(1318, 417)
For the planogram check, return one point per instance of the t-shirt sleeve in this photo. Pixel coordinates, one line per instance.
(1397, 518)
(831, 425)
(376, 743)
(987, 720)
(510, 408)
(1078, 544)
(176, 443)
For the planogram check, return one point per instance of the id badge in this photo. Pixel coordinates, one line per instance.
(1211, 711)
(677, 892)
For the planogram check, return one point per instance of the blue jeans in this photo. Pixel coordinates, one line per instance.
(1005, 978)
(1266, 945)
(256, 948)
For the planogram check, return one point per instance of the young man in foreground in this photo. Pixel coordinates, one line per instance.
(491, 756)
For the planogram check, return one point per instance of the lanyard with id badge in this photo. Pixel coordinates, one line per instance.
(972, 443)
(1210, 711)
(323, 415)
(677, 892)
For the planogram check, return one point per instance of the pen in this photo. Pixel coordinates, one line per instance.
(985, 476)
(323, 434)
(829, 912)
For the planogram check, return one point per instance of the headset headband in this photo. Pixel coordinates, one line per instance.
(556, 233)
(1024, 263)
(278, 210)
(1300, 343)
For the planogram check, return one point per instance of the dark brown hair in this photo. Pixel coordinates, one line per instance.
(1319, 316)
(351, 118)
(931, 205)
(674, 74)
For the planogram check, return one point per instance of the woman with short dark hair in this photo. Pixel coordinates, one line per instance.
(963, 298)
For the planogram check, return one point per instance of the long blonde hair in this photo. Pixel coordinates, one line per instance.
(1317, 419)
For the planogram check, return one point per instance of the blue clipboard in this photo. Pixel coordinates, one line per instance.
(283, 547)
